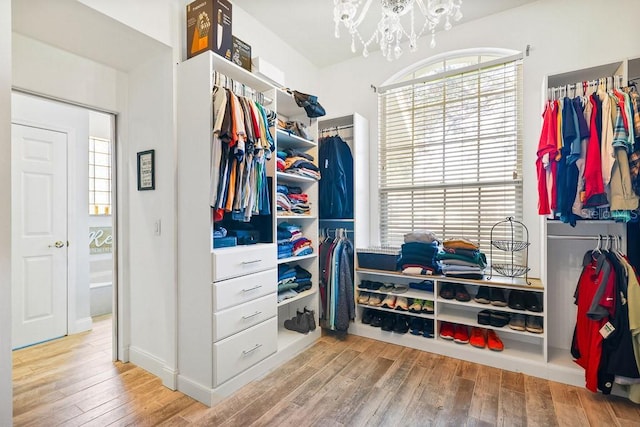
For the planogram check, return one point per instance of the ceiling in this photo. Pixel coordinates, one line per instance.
(307, 25)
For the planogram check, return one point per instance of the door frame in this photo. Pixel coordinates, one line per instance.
(72, 254)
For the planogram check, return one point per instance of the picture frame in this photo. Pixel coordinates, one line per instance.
(146, 170)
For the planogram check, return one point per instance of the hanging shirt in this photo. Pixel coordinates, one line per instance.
(594, 194)
(545, 161)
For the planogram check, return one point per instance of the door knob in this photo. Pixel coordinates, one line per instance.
(58, 244)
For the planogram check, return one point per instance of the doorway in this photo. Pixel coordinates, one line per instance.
(63, 263)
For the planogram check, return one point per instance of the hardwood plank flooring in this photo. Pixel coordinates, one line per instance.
(352, 382)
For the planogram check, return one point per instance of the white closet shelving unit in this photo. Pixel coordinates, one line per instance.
(229, 321)
(287, 110)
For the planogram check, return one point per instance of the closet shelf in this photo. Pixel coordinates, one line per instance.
(391, 310)
(473, 304)
(287, 338)
(294, 216)
(289, 177)
(512, 348)
(411, 293)
(301, 295)
(237, 73)
(289, 140)
(296, 258)
(469, 320)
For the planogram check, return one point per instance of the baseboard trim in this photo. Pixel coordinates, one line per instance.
(147, 361)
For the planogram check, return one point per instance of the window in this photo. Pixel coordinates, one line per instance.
(450, 150)
(99, 176)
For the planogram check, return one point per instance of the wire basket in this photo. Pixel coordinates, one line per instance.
(510, 245)
(510, 270)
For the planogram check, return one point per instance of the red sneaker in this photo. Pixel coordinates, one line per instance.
(478, 337)
(494, 341)
(461, 334)
(446, 330)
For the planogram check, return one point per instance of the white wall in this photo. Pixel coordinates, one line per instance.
(564, 35)
(5, 214)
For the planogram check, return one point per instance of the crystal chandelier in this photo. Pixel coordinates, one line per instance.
(390, 32)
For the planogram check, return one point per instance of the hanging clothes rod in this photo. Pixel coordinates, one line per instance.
(568, 237)
(338, 127)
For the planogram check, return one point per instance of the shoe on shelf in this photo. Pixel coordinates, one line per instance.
(461, 334)
(416, 325)
(447, 291)
(484, 317)
(297, 324)
(389, 302)
(427, 307)
(517, 322)
(363, 298)
(461, 293)
(532, 302)
(367, 316)
(446, 330)
(364, 284)
(416, 306)
(499, 318)
(477, 338)
(402, 304)
(311, 319)
(483, 296)
(401, 325)
(375, 300)
(386, 287)
(496, 295)
(516, 300)
(428, 328)
(388, 322)
(374, 286)
(493, 341)
(534, 324)
(376, 320)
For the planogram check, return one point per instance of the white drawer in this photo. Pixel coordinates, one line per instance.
(228, 322)
(244, 349)
(241, 260)
(229, 293)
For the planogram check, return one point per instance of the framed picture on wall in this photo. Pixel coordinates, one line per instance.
(146, 170)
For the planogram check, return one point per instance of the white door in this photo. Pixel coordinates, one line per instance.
(39, 234)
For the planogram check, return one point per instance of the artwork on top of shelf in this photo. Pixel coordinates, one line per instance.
(241, 53)
(209, 27)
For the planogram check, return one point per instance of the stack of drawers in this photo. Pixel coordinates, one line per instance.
(245, 326)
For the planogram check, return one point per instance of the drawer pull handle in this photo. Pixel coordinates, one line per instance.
(251, 315)
(245, 352)
(252, 289)
(251, 262)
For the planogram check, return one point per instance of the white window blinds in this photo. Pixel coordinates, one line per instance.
(450, 154)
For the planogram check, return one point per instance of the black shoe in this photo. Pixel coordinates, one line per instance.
(311, 319)
(376, 320)
(532, 302)
(447, 291)
(401, 325)
(497, 297)
(461, 293)
(484, 317)
(483, 296)
(499, 319)
(516, 300)
(416, 325)
(298, 324)
(388, 323)
(367, 316)
(428, 328)
(364, 284)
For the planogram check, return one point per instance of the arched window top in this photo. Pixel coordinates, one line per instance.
(448, 61)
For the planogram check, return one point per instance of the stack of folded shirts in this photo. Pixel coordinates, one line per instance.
(462, 258)
(292, 280)
(291, 242)
(298, 163)
(418, 254)
(292, 201)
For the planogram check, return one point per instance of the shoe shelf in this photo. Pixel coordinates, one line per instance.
(498, 281)
(300, 296)
(296, 258)
(469, 318)
(512, 348)
(411, 293)
(289, 140)
(480, 307)
(393, 310)
(292, 178)
(287, 338)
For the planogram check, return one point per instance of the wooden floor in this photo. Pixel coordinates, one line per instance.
(358, 381)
